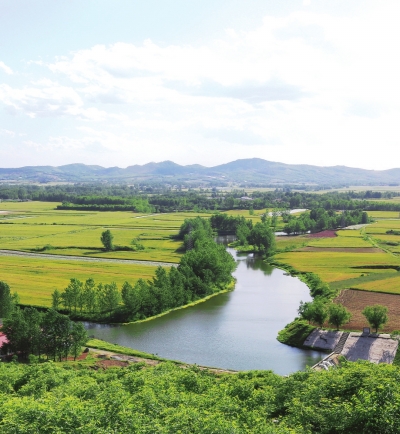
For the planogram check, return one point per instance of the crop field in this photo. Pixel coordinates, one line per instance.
(356, 301)
(340, 241)
(384, 214)
(35, 279)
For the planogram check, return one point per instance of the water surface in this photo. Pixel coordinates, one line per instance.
(236, 330)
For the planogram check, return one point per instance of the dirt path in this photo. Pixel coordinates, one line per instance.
(110, 358)
(84, 258)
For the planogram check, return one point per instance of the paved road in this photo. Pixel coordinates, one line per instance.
(83, 258)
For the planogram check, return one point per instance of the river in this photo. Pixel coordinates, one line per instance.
(235, 330)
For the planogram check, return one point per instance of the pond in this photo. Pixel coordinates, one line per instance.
(235, 330)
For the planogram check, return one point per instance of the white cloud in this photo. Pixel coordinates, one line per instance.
(6, 68)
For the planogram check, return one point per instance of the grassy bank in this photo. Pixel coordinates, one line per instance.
(114, 348)
(295, 333)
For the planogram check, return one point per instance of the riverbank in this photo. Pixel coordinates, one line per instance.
(121, 353)
(230, 287)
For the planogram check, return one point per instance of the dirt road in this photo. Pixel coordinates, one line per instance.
(83, 258)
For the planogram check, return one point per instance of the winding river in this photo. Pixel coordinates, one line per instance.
(235, 330)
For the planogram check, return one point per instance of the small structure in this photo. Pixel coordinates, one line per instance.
(3, 341)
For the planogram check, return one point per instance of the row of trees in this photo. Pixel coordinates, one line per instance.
(30, 332)
(319, 311)
(205, 268)
(319, 219)
(89, 297)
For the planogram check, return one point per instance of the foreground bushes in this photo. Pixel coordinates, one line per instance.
(48, 398)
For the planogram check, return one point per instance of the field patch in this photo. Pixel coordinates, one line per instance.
(323, 234)
(341, 249)
(355, 301)
(35, 279)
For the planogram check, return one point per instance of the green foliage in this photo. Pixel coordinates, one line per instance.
(7, 300)
(107, 240)
(359, 397)
(318, 288)
(30, 332)
(295, 333)
(376, 315)
(136, 245)
(262, 237)
(338, 315)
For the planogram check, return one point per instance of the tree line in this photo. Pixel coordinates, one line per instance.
(319, 219)
(161, 198)
(31, 332)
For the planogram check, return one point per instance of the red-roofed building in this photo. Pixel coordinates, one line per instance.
(3, 340)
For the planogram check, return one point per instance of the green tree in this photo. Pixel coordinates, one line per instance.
(109, 297)
(376, 315)
(56, 299)
(318, 312)
(262, 237)
(242, 233)
(107, 240)
(7, 304)
(338, 315)
(79, 338)
(305, 310)
(90, 295)
(131, 298)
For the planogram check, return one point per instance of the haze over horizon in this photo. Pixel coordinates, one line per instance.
(120, 83)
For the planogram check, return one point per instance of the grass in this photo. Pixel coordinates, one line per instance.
(295, 333)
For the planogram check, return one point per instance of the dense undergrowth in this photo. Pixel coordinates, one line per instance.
(51, 398)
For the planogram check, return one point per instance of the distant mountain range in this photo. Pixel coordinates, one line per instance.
(252, 171)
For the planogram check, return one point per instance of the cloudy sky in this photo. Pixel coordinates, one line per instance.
(123, 82)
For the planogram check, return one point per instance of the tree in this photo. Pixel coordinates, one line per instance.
(242, 233)
(376, 315)
(262, 237)
(90, 295)
(6, 300)
(305, 310)
(79, 338)
(131, 298)
(319, 312)
(338, 315)
(56, 299)
(107, 240)
(109, 297)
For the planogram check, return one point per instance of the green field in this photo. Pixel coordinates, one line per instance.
(359, 259)
(37, 227)
(35, 279)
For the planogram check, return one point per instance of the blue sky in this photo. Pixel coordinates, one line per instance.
(120, 82)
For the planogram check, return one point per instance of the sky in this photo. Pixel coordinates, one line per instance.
(124, 82)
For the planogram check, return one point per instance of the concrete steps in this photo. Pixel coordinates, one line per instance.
(340, 345)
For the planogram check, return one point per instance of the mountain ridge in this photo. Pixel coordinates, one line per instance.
(251, 170)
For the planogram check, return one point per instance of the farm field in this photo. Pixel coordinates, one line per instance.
(356, 301)
(37, 227)
(353, 259)
(36, 279)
